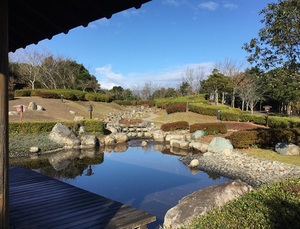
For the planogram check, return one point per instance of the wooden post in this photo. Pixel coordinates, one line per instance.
(4, 166)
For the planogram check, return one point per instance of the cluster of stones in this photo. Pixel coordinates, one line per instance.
(236, 165)
(131, 112)
(32, 106)
(245, 171)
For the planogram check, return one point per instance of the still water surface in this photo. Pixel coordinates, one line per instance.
(145, 179)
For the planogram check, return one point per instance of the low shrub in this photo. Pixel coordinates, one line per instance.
(30, 127)
(294, 122)
(177, 107)
(150, 103)
(97, 97)
(164, 102)
(93, 126)
(276, 205)
(231, 115)
(244, 139)
(210, 128)
(180, 125)
(43, 127)
(47, 94)
(255, 118)
(264, 138)
(278, 122)
(206, 109)
(23, 93)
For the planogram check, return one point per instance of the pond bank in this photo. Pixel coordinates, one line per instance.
(252, 170)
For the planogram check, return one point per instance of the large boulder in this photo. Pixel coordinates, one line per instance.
(109, 140)
(62, 135)
(121, 137)
(220, 145)
(89, 141)
(32, 106)
(287, 149)
(202, 201)
(182, 144)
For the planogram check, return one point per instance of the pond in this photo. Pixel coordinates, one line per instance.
(149, 178)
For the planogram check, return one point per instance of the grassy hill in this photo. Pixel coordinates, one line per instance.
(55, 109)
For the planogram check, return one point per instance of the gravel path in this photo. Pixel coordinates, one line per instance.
(252, 170)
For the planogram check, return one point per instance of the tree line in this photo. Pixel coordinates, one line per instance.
(273, 78)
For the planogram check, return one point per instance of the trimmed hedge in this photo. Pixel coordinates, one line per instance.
(47, 94)
(264, 138)
(43, 127)
(180, 125)
(164, 102)
(176, 107)
(231, 115)
(97, 97)
(255, 118)
(207, 109)
(210, 128)
(244, 139)
(150, 103)
(23, 93)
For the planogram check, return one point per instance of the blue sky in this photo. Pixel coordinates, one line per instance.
(157, 42)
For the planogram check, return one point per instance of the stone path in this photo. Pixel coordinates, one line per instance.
(252, 170)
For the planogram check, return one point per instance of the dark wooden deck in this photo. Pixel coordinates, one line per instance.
(38, 201)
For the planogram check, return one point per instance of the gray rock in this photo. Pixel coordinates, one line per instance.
(198, 134)
(202, 201)
(170, 137)
(219, 144)
(121, 137)
(159, 136)
(61, 134)
(144, 143)
(32, 106)
(194, 163)
(109, 140)
(202, 147)
(287, 149)
(34, 149)
(40, 108)
(89, 141)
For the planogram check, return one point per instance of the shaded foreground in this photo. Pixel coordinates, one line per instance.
(37, 201)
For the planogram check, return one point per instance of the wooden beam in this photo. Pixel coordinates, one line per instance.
(4, 183)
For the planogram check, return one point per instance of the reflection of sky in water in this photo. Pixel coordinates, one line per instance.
(145, 179)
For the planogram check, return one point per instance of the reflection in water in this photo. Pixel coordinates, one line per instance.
(89, 171)
(150, 178)
(65, 164)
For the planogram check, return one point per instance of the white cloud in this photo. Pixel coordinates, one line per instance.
(209, 5)
(174, 2)
(107, 77)
(170, 77)
(230, 6)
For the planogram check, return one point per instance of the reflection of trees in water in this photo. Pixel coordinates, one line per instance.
(213, 176)
(66, 164)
